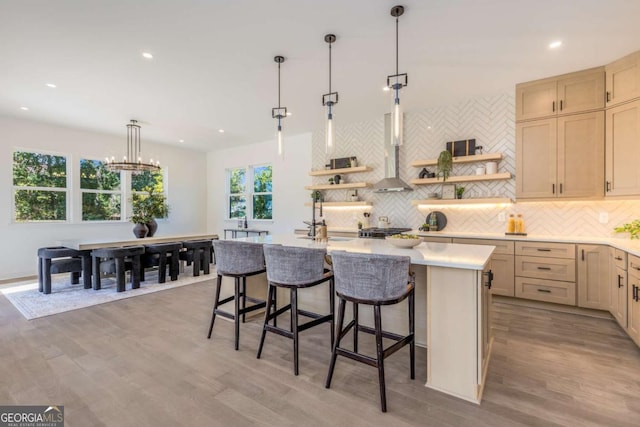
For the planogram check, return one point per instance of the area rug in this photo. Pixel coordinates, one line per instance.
(66, 297)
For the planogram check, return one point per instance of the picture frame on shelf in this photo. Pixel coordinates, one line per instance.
(448, 191)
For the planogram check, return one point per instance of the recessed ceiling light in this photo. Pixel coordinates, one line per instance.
(182, 140)
(386, 89)
(428, 127)
(556, 44)
(51, 85)
(289, 113)
(147, 55)
(221, 130)
(24, 108)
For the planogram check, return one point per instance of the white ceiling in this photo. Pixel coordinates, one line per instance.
(213, 62)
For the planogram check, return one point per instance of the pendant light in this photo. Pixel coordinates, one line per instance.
(329, 100)
(396, 82)
(279, 112)
(133, 159)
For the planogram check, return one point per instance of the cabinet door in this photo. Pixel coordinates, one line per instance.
(536, 159)
(613, 283)
(623, 150)
(581, 91)
(503, 275)
(536, 99)
(581, 155)
(623, 79)
(593, 277)
(633, 313)
(621, 305)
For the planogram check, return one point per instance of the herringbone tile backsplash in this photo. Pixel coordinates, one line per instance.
(491, 121)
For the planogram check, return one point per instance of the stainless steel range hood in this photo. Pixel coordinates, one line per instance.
(391, 182)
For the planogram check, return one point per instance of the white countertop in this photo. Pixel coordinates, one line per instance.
(470, 257)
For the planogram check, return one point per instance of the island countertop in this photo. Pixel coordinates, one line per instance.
(452, 255)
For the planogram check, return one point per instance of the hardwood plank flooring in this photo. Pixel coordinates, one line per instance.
(146, 361)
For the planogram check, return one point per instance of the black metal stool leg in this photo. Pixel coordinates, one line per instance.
(215, 305)
(336, 344)
(412, 344)
(267, 313)
(380, 357)
(40, 276)
(355, 327)
(244, 297)
(236, 317)
(332, 309)
(294, 327)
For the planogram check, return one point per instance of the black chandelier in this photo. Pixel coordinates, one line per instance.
(133, 159)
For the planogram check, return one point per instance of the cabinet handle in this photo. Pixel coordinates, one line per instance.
(608, 186)
(619, 281)
(560, 188)
(561, 105)
(608, 96)
(544, 268)
(546, 291)
(553, 106)
(543, 250)
(583, 254)
(553, 189)
(635, 293)
(618, 258)
(489, 276)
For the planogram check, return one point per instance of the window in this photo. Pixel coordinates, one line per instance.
(39, 187)
(259, 202)
(101, 192)
(262, 193)
(237, 193)
(147, 182)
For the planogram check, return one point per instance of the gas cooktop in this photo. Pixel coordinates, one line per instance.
(380, 233)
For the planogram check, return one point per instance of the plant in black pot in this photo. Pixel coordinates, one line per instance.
(148, 207)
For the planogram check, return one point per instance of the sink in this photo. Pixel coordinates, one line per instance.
(332, 238)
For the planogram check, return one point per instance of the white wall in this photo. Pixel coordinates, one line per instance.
(289, 178)
(186, 185)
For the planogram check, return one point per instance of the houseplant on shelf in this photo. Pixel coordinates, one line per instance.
(444, 167)
(148, 207)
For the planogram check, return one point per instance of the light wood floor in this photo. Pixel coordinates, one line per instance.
(146, 361)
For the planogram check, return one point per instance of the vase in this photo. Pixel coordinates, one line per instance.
(152, 226)
(140, 230)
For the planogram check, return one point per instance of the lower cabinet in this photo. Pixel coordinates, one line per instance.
(593, 277)
(618, 286)
(546, 290)
(502, 265)
(633, 299)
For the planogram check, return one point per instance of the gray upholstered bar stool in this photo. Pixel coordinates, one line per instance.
(295, 268)
(54, 260)
(197, 252)
(374, 280)
(117, 260)
(162, 255)
(238, 260)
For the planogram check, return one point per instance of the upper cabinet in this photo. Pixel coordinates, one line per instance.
(560, 158)
(623, 150)
(623, 79)
(566, 94)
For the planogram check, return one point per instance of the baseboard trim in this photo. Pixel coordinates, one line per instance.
(561, 308)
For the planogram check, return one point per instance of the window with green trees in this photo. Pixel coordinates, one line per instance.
(101, 192)
(39, 187)
(250, 190)
(147, 181)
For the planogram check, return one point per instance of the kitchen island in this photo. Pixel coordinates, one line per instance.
(452, 306)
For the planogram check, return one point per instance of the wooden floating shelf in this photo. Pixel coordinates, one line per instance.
(342, 204)
(462, 159)
(462, 178)
(346, 186)
(491, 200)
(354, 169)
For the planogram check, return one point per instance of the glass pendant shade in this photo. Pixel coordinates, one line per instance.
(280, 139)
(330, 133)
(396, 121)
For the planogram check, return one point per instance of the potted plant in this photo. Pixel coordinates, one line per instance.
(459, 191)
(445, 165)
(633, 228)
(331, 181)
(148, 207)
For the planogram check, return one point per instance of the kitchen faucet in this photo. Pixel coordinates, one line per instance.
(315, 197)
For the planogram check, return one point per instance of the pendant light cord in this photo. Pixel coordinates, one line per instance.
(397, 68)
(329, 67)
(278, 85)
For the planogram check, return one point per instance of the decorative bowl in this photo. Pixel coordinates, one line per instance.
(405, 241)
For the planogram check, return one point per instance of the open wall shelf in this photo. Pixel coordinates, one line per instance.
(462, 159)
(347, 186)
(462, 178)
(355, 169)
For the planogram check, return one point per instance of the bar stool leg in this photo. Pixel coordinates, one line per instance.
(275, 306)
(236, 301)
(215, 305)
(267, 314)
(332, 309)
(355, 327)
(412, 344)
(380, 357)
(336, 344)
(244, 297)
(294, 328)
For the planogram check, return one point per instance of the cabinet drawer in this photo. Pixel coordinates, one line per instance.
(619, 258)
(634, 266)
(543, 249)
(546, 290)
(505, 247)
(546, 268)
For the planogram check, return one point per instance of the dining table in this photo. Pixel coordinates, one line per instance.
(98, 243)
